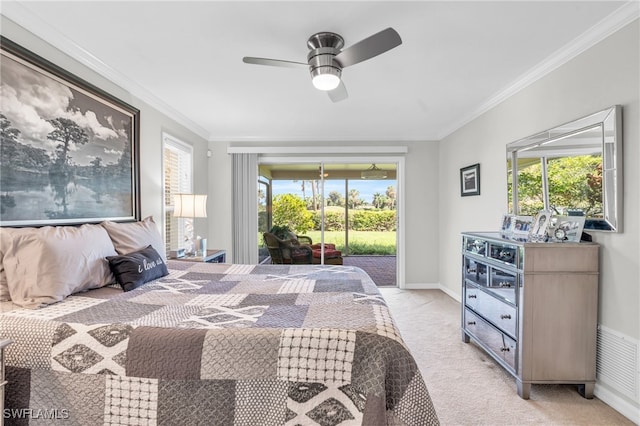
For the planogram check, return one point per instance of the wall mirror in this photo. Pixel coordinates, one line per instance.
(573, 170)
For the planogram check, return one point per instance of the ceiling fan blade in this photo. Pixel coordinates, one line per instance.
(339, 93)
(369, 47)
(273, 62)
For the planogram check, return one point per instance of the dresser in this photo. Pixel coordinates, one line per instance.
(533, 307)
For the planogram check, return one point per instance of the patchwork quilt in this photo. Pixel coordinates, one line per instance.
(216, 344)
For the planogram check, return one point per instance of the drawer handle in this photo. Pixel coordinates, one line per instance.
(504, 349)
(507, 316)
(472, 296)
(471, 323)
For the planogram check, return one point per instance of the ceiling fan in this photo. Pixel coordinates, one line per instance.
(326, 59)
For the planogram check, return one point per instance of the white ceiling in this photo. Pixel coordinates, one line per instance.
(185, 58)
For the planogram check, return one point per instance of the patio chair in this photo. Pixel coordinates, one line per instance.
(287, 251)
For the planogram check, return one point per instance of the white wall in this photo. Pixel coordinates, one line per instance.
(152, 124)
(605, 75)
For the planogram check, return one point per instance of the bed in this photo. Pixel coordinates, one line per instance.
(214, 344)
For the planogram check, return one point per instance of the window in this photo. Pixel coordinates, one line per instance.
(178, 178)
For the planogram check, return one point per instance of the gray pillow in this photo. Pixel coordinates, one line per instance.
(133, 236)
(45, 265)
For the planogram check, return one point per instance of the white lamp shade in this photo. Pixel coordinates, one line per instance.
(190, 205)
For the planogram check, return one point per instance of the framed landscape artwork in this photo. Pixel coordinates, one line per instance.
(470, 180)
(68, 150)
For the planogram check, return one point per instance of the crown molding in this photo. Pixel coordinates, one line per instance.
(19, 13)
(618, 19)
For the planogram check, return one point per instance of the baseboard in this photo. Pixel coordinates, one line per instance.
(621, 405)
(432, 286)
(455, 296)
(422, 286)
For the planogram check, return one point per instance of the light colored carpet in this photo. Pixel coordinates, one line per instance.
(469, 388)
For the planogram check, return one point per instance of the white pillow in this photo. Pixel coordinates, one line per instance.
(5, 241)
(45, 265)
(4, 286)
(133, 236)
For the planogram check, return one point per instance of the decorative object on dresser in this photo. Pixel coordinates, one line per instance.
(520, 227)
(567, 228)
(538, 231)
(533, 307)
(69, 150)
(506, 225)
(470, 180)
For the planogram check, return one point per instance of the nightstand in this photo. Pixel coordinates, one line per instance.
(213, 256)
(3, 344)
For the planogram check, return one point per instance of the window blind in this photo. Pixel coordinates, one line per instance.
(178, 177)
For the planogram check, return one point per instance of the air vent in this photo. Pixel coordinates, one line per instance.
(617, 362)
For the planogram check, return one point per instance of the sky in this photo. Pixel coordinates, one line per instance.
(366, 187)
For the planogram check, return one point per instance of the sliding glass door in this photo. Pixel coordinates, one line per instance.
(349, 207)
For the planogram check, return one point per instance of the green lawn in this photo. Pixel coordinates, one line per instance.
(360, 242)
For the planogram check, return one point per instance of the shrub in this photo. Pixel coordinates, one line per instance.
(373, 220)
(333, 221)
(359, 220)
(290, 210)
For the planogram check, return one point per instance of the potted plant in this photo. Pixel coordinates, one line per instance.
(281, 231)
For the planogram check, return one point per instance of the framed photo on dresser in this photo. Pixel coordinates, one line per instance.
(569, 227)
(520, 227)
(539, 227)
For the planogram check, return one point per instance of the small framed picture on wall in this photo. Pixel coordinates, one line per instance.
(470, 180)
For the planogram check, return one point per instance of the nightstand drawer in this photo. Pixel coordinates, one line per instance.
(501, 345)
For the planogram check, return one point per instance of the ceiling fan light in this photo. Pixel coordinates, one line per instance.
(326, 82)
(325, 78)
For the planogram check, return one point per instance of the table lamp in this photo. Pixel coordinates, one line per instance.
(190, 206)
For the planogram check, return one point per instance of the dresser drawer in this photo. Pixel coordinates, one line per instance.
(502, 282)
(501, 314)
(502, 346)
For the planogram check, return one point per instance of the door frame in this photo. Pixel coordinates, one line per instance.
(399, 160)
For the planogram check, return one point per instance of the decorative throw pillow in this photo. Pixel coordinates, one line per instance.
(45, 265)
(134, 269)
(132, 236)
